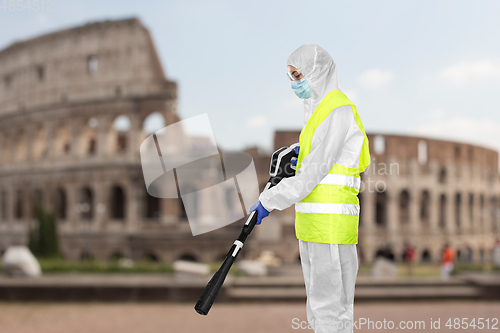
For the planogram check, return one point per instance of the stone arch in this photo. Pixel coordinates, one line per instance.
(425, 201)
(152, 206)
(119, 134)
(86, 255)
(3, 204)
(458, 206)
(39, 143)
(442, 175)
(188, 257)
(40, 71)
(92, 64)
(380, 253)
(442, 211)
(471, 207)
(117, 203)
(381, 201)
(88, 137)
(426, 256)
(404, 206)
(151, 256)
(36, 202)
(62, 139)
(19, 205)
(59, 203)
(85, 204)
(422, 152)
(153, 122)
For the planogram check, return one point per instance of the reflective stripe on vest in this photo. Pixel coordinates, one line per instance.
(326, 208)
(345, 180)
(330, 213)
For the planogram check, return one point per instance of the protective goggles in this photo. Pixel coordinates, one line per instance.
(295, 75)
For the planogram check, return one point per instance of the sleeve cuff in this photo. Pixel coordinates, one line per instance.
(263, 202)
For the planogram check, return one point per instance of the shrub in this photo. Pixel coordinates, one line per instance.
(43, 239)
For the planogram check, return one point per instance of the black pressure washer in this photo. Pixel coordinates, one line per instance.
(281, 167)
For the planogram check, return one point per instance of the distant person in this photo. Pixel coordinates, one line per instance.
(387, 253)
(447, 261)
(409, 258)
(496, 253)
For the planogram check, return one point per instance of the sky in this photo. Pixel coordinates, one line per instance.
(426, 68)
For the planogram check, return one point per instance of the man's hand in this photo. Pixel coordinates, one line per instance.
(261, 211)
(294, 160)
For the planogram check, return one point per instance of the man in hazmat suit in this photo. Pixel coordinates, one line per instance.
(333, 151)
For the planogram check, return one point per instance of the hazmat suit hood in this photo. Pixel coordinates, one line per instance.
(320, 71)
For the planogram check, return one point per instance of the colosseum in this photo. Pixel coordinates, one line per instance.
(75, 106)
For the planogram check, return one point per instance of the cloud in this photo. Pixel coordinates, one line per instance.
(465, 72)
(352, 95)
(256, 122)
(440, 124)
(376, 78)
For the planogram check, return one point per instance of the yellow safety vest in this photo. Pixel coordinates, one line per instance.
(330, 213)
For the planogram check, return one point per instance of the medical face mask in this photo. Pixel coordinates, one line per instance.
(301, 88)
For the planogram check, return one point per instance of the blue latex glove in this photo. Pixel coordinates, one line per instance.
(261, 211)
(294, 160)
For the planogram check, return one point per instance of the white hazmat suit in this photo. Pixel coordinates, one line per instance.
(329, 269)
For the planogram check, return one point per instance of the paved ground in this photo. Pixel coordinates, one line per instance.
(230, 318)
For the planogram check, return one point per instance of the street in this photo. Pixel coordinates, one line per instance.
(242, 318)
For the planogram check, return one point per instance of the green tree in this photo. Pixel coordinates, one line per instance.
(43, 239)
